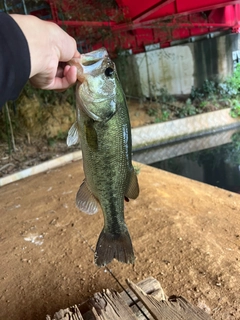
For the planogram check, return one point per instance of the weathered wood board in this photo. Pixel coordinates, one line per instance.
(145, 301)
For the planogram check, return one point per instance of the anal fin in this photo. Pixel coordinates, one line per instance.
(85, 200)
(132, 191)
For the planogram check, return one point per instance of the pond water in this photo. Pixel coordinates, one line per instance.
(213, 159)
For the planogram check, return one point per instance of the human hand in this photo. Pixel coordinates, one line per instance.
(50, 48)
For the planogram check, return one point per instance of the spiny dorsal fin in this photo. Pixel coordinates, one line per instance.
(85, 200)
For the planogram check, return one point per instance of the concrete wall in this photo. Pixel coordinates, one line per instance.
(180, 67)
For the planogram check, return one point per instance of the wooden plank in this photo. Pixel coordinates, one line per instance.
(109, 305)
(149, 286)
(176, 308)
(72, 313)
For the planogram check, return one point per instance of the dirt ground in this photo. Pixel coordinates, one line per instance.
(185, 234)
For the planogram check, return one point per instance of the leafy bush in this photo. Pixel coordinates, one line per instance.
(165, 96)
(233, 82)
(235, 108)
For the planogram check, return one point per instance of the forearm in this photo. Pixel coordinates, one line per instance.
(14, 59)
(48, 45)
(32, 48)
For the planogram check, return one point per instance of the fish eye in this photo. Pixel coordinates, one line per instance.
(109, 72)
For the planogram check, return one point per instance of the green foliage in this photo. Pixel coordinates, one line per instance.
(234, 81)
(188, 109)
(208, 90)
(210, 96)
(152, 111)
(161, 108)
(165, 96)
(196, 93)
(164, 116)
(235, 108)
(61, 136)
(49, 97)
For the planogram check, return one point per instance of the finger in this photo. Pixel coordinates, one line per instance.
(66, 69)
(70, 77)
(62, 69)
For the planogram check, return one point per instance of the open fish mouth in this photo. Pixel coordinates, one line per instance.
(92, 61)
(89, 62)
(93, 56)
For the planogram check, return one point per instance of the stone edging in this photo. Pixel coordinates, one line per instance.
(42, 167)
(180, 129)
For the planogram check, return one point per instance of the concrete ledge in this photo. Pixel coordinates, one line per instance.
(175, 149)
(45, 166)
(185, 128)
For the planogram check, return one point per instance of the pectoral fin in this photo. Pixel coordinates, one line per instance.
(132, 191)
(73, 135)
(85, 200)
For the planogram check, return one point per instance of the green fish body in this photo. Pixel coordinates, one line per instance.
(103, 129)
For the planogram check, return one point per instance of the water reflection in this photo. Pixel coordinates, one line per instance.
(213, 159)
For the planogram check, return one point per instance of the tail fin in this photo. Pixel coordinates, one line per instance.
(110, 246)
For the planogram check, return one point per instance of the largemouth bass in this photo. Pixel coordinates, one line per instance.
(103, 129)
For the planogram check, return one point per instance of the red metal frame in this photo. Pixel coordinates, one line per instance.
(138, 23)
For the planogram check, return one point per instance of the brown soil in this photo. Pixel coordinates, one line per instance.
(185, 234)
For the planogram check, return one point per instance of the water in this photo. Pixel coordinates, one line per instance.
(212, 159)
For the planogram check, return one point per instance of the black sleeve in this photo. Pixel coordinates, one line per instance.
(15, 62)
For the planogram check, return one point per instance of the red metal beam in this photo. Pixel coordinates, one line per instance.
(54, 11)
(199, 9)
(151, 10)
(126, 27)
(237, 15)
(148, 21)
(86, 23)
(130, 26)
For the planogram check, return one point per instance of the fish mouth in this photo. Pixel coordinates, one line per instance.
(92, 61)
(93, 57)
(89, 62)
